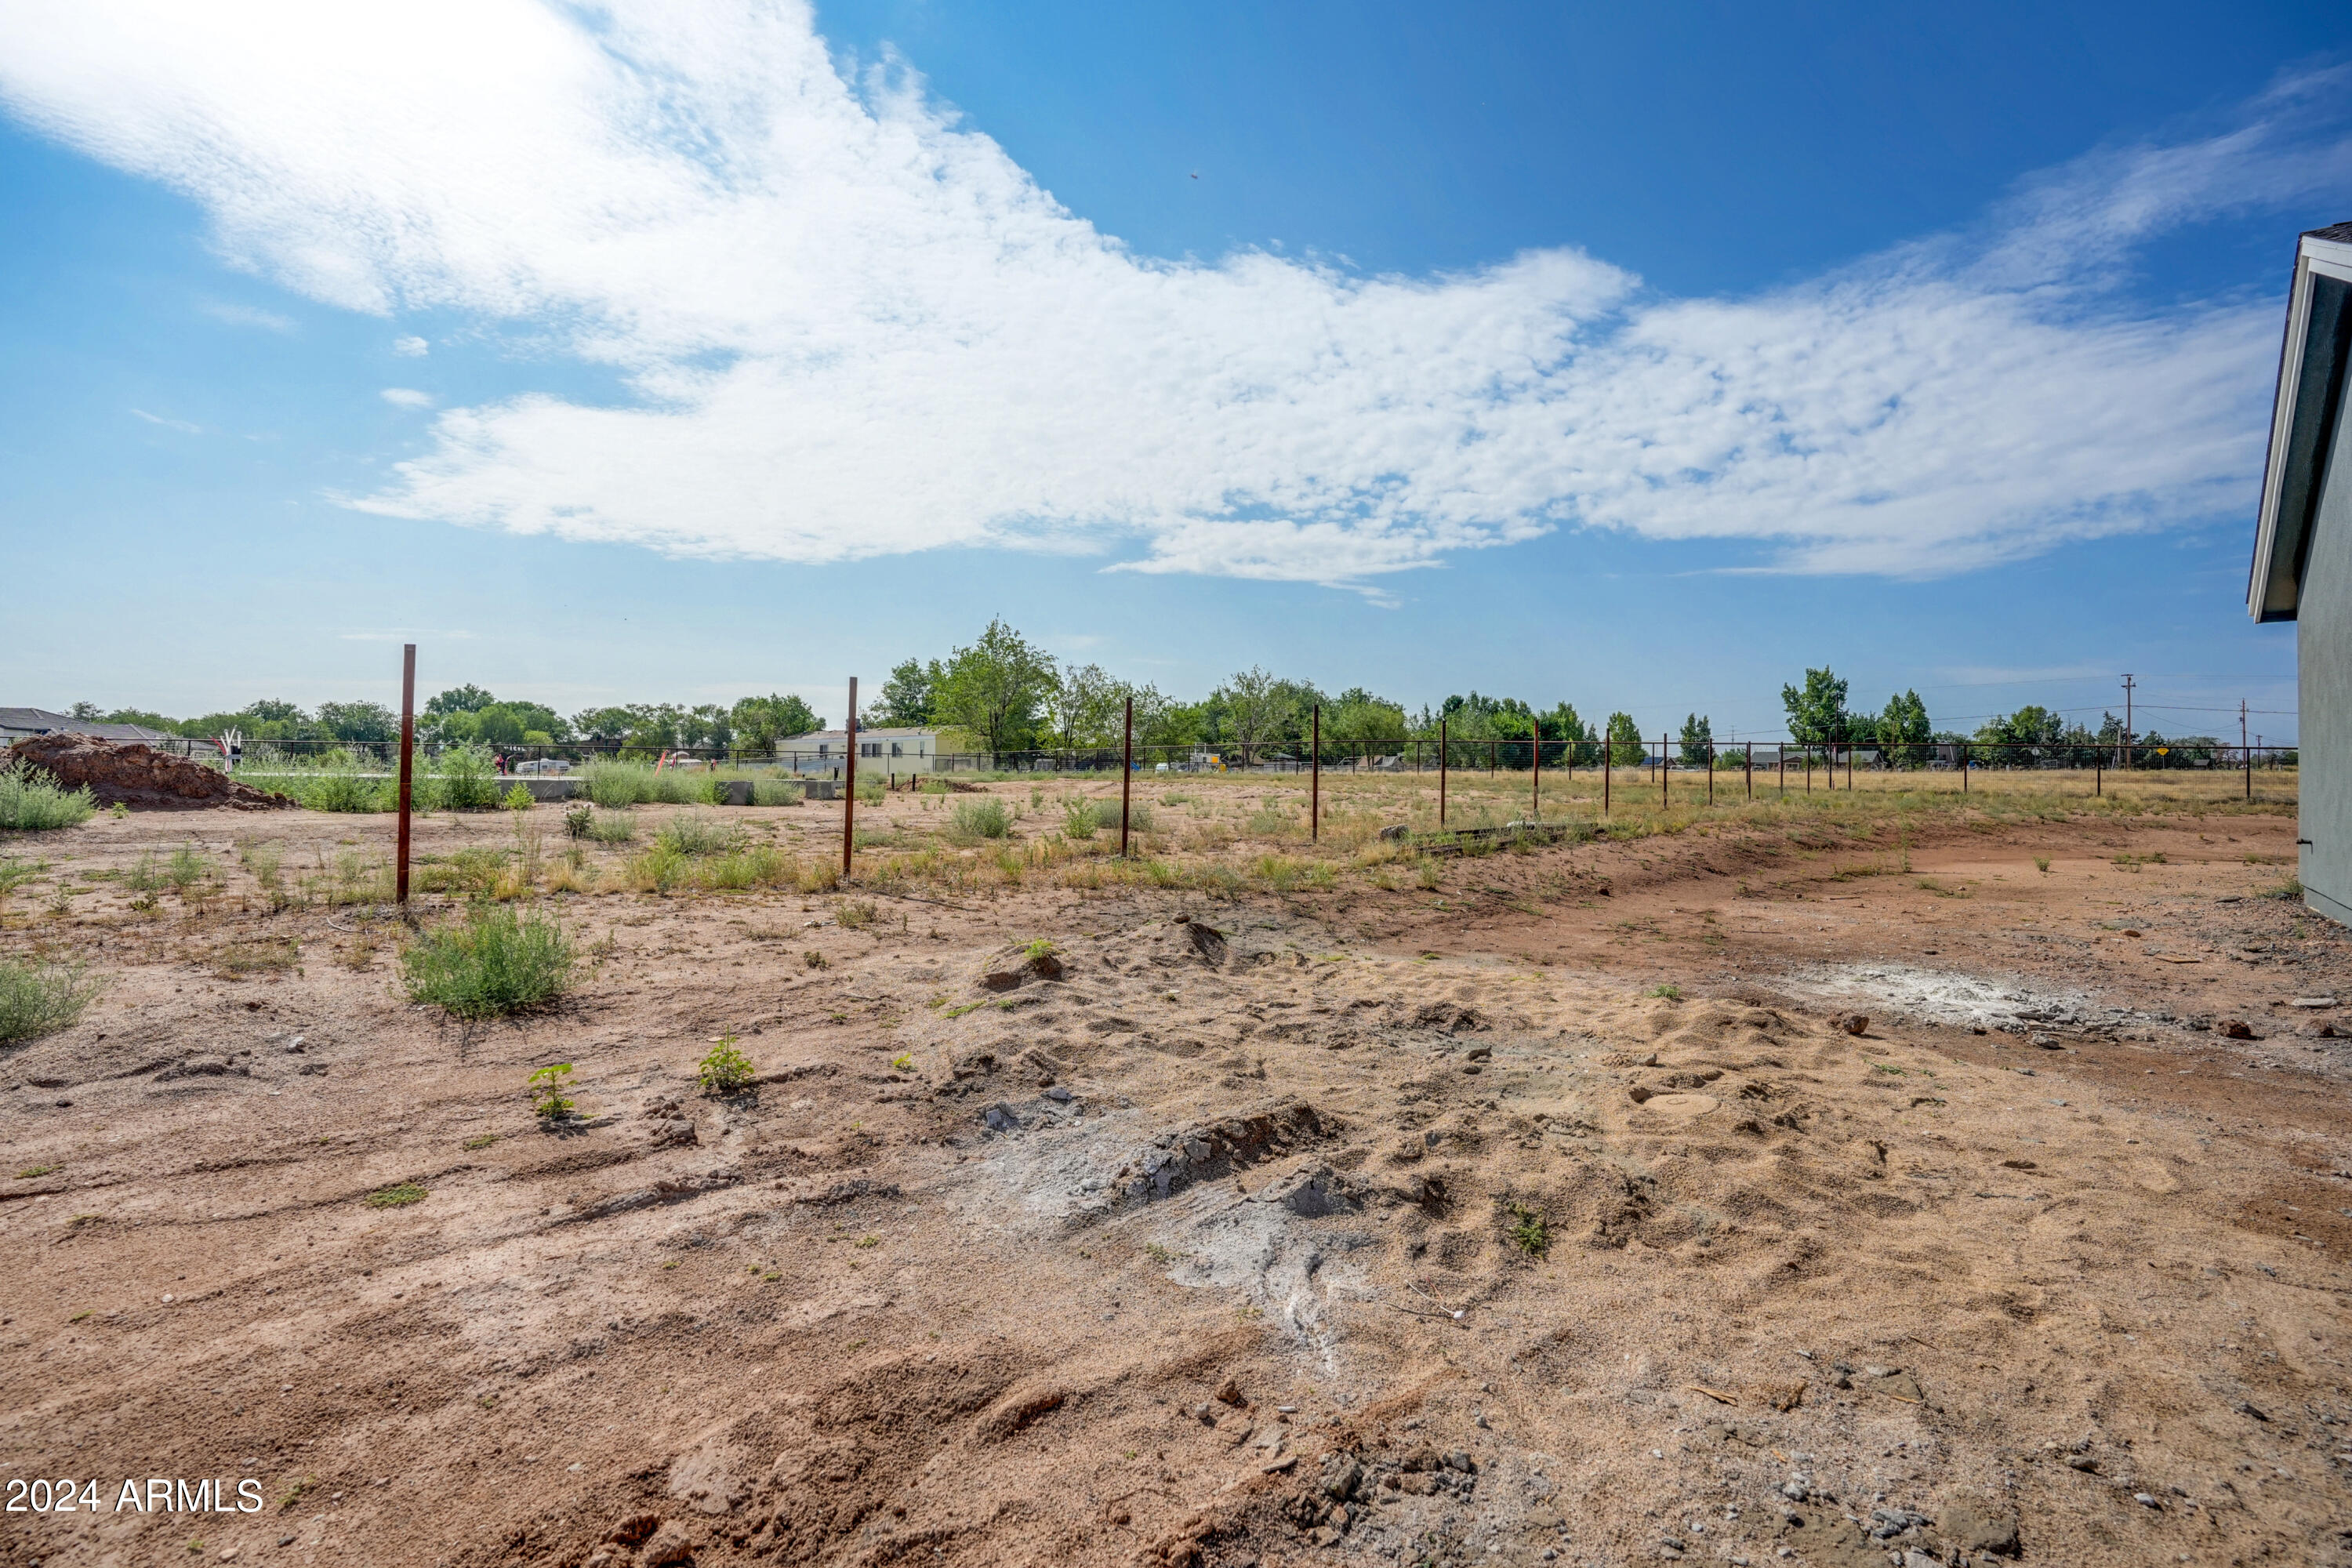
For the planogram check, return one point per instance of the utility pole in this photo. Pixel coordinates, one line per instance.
(2127, 721)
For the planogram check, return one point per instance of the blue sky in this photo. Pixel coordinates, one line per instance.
(1636, 359)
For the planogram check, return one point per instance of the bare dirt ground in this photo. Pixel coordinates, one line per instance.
(1531, 1210)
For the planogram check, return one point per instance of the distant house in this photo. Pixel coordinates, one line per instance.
(22, 723)
(825, 751)
(2303, 553)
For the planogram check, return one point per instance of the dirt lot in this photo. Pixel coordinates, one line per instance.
(1507, 1208)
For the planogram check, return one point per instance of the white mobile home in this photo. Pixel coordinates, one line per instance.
(824, 752)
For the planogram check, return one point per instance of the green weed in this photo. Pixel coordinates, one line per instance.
(32, 801)
(398, 1196)
(1527, 1231)
(548, 1102)
(489, 962)
(40, 998)
(725, 1070)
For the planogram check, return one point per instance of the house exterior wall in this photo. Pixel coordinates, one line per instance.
(2324, 653)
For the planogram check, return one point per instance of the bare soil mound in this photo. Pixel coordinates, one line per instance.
(130, 773)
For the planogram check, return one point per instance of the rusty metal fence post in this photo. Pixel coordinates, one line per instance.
(849, 792)
(1441, 773)
(1126, 774)
(1314, 790)
(1537, 725)
(1665, 773)
(1750, 770)
(1710, 773)
(407, 760)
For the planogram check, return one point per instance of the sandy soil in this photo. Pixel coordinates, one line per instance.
(1362, 1225)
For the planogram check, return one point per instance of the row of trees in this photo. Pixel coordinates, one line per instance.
(468, 714)
(1006, 694)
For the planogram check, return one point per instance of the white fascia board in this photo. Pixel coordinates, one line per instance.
(2320, 258)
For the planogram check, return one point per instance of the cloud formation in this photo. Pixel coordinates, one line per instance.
(406, 398)
(855, 328)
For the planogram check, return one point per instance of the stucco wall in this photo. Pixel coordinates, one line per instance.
(2323, 658)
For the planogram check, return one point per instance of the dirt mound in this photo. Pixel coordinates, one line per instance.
(127, 772)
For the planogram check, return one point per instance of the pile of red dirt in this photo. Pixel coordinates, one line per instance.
(129, 772)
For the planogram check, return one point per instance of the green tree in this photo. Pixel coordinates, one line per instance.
(359, 721)
(141, 717)
(603, 723)
(466, 698)
(1625, 745)
(761, 722)
(994, 687)
(1699, 741)
(708, 724)
(1260, 710)
(494, 726)
(1359, 721)
(1567, 739)
(1904, 731)
(908, 696)
(1083, 707)
(1817, 715)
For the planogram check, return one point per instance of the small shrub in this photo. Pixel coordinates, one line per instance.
(869, 790)
(398, 1196)
(725, 1070)
(547, 1099)
(39, 999)
(1666, 993)
(31, 801)
(1527, 1231)
(118, 810)
(1041, 948)
(986, 817)
(345, 791)
(1139, 817)
(689, 836)
(15, 873)
(854, 914)
(469, 779)
(2042, 864)
(614, 785)
(490, 962)
(518, 798)
(1079, 818)
(143, 878)
(815, 960)
(612, 828)
(1429, 874)
(775, 791)
(2290, 889)
(579, 820)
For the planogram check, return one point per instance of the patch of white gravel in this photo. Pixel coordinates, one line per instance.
(1907, 992)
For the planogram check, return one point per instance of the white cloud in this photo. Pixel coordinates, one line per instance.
(412, 346)
(249, 316)
(406, 398)
(855, 328)
(182, 426)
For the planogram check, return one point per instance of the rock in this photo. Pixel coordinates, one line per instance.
(633, 1529)
(1852, 1023)
(2047, 1042)
(1059, 1095)
(1341, 1480)
(669, 1547)
(2312, 1002)
(999, 1117)
(2087, 1463)
(294, 1047)
(2236, 1029)
(1313, 1194)
(1393, 832)
(1230, 1392)
(1981, 1530)
(1324, 1535)
(1478, 1053)
(1458, 1460)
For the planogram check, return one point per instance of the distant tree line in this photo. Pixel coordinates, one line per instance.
(1006, 694)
